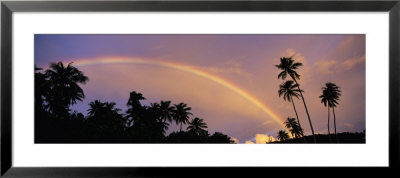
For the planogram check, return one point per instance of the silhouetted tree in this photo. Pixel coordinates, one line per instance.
(219, 137)
(293, 127)
(106, 121)
(135, 108)
(197, 126)
(330, 97)
(283, 135)
(324, 99)
(42, 126)
(289, 67)
(41, 88)
(63, 88)
(157, 112)
(181, 114)
(288, 90)
(58, 88)
(167, 110)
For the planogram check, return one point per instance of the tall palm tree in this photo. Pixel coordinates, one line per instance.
(64, 89)
(197, 126)
(288, 90)
(166, 110)
(325, 99)
(181, 114)
(283, 135)
(330, 97)
(134, 106)
(293, 127)
(288, 67)
(134, 99)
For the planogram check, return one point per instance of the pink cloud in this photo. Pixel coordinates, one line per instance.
(334, 66)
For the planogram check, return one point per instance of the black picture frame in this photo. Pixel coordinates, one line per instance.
(8, 7)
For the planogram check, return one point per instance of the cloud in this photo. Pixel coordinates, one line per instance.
(290, 52)
(233, 63)
(349, 53)
(346, 44)
(326, 66)
(261, 139)
(350, 63)
(349, 126)
(235, 140)
(334, 66)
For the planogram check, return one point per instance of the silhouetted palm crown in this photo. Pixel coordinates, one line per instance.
(197, 126)
(283, 135)
(330, 95)
(181, 113)
(63, 86)
(288, 67)
(135, 108)
(105, 114)
(166, 110)
(288, 90)
(294, 127)
(134, 99)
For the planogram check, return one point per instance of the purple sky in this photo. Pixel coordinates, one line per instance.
(246, 61)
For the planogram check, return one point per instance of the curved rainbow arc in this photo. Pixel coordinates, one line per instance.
(189, 69)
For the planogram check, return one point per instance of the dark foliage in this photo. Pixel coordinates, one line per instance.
(57, 88)
(345, 137)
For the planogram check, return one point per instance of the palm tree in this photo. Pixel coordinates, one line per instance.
(105, 123)
(166, 110)
(283, 135)
(63, 87)
(288, 67)
(134, 106)
(95, 106)
(181, 114)
(288, 90)
(154, 108)
(41, 88)
(105, 112)
(197, 126)
(293, 127)
(325, 99)
(134, 99)
(330, 97)
(157, 113)
(111, 107)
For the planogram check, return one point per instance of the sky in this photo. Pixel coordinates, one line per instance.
(230, 81)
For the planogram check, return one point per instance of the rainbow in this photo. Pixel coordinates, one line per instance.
(185, 68)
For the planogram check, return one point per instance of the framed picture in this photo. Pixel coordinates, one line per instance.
(103, 88)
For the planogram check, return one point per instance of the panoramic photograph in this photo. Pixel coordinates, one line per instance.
(200, 88)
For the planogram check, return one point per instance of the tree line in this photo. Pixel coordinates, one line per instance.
(57, 89)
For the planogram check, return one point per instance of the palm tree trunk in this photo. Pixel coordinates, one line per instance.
(334, 122)
(298, 121)
(305, 106)
(181, 127)
(329, 131)
(294, 107)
